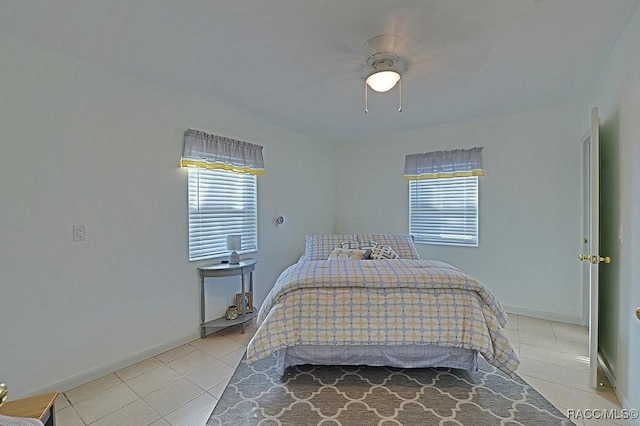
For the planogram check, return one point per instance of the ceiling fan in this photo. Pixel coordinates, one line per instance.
(417, 44)
(433, 46)
(383, 67)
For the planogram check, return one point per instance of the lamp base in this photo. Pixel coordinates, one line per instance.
(234, 257)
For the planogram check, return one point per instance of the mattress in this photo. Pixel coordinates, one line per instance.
(408, 356)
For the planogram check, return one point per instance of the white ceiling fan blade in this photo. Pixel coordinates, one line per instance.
(438, 43)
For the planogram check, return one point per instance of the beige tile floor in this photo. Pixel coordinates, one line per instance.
(182, 386)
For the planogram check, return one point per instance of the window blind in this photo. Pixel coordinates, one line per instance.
(221, 203)
(444, 211)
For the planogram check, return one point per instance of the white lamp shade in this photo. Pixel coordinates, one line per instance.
(234, 242)
(383, 81)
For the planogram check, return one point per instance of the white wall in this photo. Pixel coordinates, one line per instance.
(617, 94)
(80, 144)
(529, 203)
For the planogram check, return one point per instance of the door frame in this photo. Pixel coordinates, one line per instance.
(591, 237)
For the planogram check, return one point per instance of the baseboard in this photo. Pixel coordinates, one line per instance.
(551, 316)
(622, 398)
(97, 372)
(606, 368)
(626, 404)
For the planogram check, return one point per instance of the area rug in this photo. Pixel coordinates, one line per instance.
(383, 396)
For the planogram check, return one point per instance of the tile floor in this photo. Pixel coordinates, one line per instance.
(182, 386)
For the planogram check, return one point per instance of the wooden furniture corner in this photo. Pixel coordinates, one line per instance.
(34, 407)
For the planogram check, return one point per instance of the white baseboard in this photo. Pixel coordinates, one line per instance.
(606, 368)
(97, 372)
(622, 398)
(551, 316)
(626, 404)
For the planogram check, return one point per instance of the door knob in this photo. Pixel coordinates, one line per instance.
(4, 390)
(594, 258)
(638, 312)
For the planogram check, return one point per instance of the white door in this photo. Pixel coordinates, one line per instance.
(590, 248)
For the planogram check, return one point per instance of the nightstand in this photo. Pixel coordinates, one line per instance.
(246, 266)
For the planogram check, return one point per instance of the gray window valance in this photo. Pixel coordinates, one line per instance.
(207, 151)
(444, 164)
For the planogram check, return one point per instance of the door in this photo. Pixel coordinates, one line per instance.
(590, 242)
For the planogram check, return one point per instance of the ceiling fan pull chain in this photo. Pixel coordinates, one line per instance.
(400, 95)
(366, 98)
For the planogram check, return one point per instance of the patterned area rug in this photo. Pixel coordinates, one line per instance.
(333, 395)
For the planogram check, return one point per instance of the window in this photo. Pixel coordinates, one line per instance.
(222, 192)
(443, 196)
(444, 211)
(221, 203)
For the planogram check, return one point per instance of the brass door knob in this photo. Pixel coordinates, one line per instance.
(594, 258)
(638, 312)
(4, 391)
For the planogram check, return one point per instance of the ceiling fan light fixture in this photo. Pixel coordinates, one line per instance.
(383, 67)
(383, 81)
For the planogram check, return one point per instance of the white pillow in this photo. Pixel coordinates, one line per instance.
(343, 253)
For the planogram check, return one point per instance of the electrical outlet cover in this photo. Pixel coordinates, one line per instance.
(79, 233)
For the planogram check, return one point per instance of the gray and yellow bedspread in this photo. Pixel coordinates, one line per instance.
(381, 302)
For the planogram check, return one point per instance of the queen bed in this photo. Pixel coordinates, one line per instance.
(368, 299)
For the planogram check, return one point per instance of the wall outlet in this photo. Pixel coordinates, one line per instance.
(79, 233)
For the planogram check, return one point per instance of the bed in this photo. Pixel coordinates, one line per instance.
(368, 299)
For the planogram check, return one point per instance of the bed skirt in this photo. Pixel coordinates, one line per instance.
(410, 356)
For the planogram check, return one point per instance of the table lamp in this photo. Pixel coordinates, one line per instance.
(234, 242)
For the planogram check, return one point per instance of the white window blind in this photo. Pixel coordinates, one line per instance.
(444, 211)
(221, 203)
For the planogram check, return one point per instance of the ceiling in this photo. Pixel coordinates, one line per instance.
(298, 63)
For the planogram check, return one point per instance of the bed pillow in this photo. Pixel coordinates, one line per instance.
(351, 244)
(402, 244)
(353, 254)
(382, 252)
(318, 247)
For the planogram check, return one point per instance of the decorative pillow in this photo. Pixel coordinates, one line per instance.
(351, 244)
(402, 244)
(367, 244)
(353, 254)
(318, 247)
(382, 252)
(358, 244)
